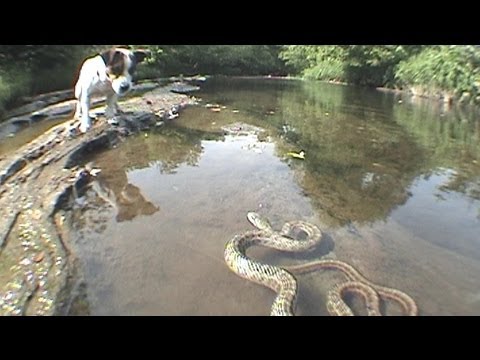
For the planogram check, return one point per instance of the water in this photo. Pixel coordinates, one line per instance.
(393, 183)
(11, 141)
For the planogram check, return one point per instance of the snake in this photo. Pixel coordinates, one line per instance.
(282, 280)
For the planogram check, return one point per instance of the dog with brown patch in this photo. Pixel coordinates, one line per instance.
(109, 74)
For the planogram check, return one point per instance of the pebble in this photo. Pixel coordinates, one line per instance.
(25, 262)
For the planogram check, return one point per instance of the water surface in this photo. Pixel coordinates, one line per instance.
(393, 183)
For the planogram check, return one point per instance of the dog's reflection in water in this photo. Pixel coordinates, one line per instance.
(124, 197)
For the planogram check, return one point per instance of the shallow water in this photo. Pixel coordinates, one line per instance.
(18, 138)
(393, 183)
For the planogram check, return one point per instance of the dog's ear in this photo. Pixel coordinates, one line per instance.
(107, 56)
(115, 61)
(141, 55)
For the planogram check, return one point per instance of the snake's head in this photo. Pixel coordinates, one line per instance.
(258, 221)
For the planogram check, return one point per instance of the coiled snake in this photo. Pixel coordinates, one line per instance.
(282, 281)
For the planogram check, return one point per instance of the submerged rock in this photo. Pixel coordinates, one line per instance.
(183, 88)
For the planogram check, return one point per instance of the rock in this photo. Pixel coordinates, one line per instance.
(56, 111)
(39, 257)
(183, 88)
(113, 121)
(145, 87)
(40, 101)
(37, 117)
(20, 120)
(25, 109)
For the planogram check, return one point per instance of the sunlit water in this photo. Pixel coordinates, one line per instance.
(393, 183)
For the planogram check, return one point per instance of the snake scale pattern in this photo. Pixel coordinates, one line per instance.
(283, 282)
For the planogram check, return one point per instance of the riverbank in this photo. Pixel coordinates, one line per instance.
(40, 182)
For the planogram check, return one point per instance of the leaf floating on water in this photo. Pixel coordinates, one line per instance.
(300, 155)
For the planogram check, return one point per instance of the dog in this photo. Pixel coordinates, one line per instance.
(109, 74)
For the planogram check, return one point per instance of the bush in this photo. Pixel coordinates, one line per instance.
(27, 70)
(216, 59)
(454, 69)
(14, 84)
(356, 64)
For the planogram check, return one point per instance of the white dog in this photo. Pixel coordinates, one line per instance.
(108, 74)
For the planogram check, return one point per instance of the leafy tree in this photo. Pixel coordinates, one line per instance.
(355, 64)
(315, 62)
(374, 65)
(216, 59)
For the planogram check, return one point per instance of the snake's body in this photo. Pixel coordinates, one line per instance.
(283, 282)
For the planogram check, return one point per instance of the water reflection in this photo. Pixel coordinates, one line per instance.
(394, 184)
(167, 262)
(450, 140)
(358, 164)
(124, 197)
(165, 152)
(365, 148)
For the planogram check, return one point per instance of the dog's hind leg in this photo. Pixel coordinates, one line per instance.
(78, 107)
(78, 111)
(84, 106)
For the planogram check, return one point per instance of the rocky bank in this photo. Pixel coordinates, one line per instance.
(39, 183)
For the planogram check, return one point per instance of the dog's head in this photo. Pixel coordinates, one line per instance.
(121, 65)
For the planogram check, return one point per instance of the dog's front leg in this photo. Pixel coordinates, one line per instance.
(84, 107)
(112, 107)
(78, 111)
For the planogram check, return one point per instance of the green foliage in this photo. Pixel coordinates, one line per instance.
(355, 64)
(13, 84)
(299, 57)
(38, 57)
(31, 69)
(216, 59)
(315, 62)
(442, 69)
(373, 65)
(452, 68)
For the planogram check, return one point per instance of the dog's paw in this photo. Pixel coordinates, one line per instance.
(84, 127)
